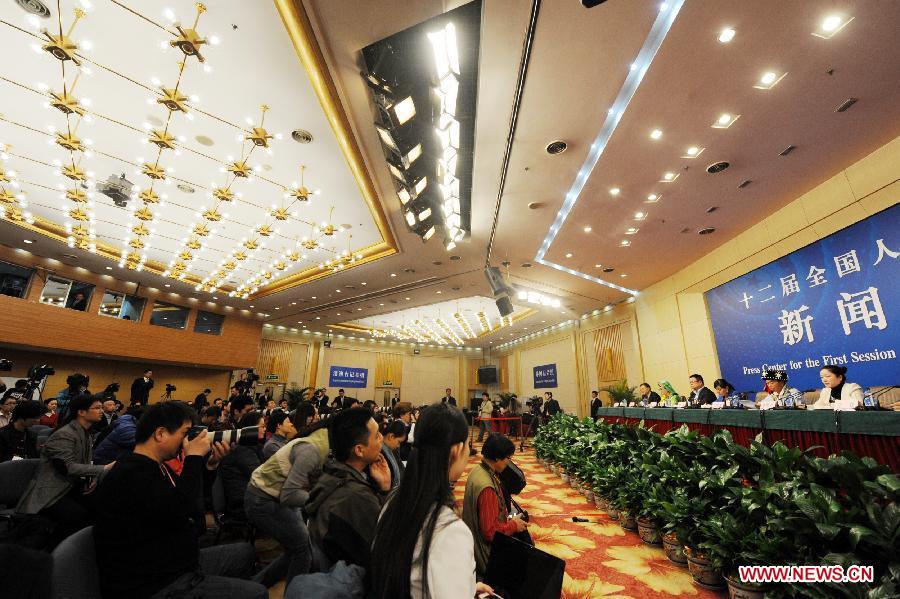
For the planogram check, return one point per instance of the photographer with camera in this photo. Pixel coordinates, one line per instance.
(145, 538)
(77, 385)
(237, 467)
(140, 388)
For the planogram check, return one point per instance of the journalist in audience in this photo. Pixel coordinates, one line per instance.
(484, 509)
(237, 466)
(51, 416)
(394, 434)
(238, 407)
(344, 505)
(146, 542)
(422, 549)
(62, 490)
(77, 384)
(279, 489)
(485, 409)
(211, 418)
(282, 430)
(16, 441)
(7, 405)
(120, 438)
(305, 416)
(838, 394)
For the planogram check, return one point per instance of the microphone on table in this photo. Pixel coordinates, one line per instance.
(577, 519)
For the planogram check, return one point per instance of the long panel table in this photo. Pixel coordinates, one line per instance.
(874, 434)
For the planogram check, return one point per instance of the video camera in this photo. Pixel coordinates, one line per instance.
(5, 365)
(244, 436)
(170, 387)
(38, 372)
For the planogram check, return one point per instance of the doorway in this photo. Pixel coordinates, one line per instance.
(385, 395)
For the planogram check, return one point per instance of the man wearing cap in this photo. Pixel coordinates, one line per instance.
(776, 385)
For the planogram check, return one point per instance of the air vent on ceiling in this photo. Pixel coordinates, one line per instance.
(454, 258)
(118, 189)
(35, 7)
(706, 231)
(301, 136)
(608, 269)
(717, 167)
(711, 209)
(744, 183)
(535, 205)
(437, 263)
(526, 265)
(556, 147)
(184, 187)
(846, 104)
(787, 150)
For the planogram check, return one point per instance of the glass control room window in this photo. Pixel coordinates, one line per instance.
(14, 279)
(209, 323)
(67, 293)
(169, 315)
(121, 305)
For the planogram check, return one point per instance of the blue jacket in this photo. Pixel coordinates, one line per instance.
(118, 441)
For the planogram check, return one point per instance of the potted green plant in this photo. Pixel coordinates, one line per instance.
(621, 392)
(295, 395)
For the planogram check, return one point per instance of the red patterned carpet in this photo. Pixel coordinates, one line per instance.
(602, 560)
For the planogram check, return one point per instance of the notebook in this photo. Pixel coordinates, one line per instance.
(516, 570)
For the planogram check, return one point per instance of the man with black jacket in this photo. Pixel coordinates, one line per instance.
(648, 395)
(146, 541)
(700, 394)
(551, 406)
(140, 388)
(448, 398)
(596, 404)
(344, 505)
(16, 441)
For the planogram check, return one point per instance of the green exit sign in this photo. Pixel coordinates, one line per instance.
(388, 384)
(271, 377)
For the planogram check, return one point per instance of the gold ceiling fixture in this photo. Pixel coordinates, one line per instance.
(61, 46)
(12, 199)
(300, 193)
(343, 259)
(188, 40)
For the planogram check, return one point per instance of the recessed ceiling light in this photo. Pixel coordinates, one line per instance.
(215, 298)
(831, 25)
(623, 275)
(317, 318)
(769, 79)
(29, 241)
(625, 243)
(407, 299)
(652, 198)
(588, 229)
(725, 120)
(726, 35)
(381, 304)
(363, 283)
(656, 134)
(438, 291)
(359, 309)
(669, 177)
(569, 255)
(313, 297)
(693, 152)
(251, 305)
(598, 266)
(640, 215)
(631, 230)
(614, 191)
(277, 308)
(338, 314)
(110, 268)
(393, 274)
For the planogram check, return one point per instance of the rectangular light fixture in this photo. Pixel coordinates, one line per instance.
(769, 80)
(404, 110)
(725, 120)
(830, 26)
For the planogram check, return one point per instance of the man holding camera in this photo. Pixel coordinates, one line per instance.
(145, 537)
(140, 388)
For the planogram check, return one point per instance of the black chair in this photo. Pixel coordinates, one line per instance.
(14, 478)
(75, 571)
(224, 522)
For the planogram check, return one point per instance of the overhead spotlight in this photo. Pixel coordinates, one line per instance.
(656, 134)
(693, 152)
(726, 35)
(614, 191)
(831, 25)
(725, 120)
(653, 197)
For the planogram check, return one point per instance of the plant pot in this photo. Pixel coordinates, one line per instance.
(589, 495)
(612, 511)
(573, 482)
(673, 549)
(702, 570)
(628, 521)
(601, 503)
(744, 590)
(564, 477)
(649, 532)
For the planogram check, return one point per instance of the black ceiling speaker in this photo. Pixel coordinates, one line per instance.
(500, 290)
(591, 3)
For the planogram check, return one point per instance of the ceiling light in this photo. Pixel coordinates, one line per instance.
(588, 229)
(407, 299)
(404, 110)
(640, 216)
(769, 80)
(831, 25)
(110, 268)
(29, 241)
(652, 198)
(569, 255)
(625, 243)
(623, 275)
(656, 134)
(726, 35)
(614, 191)
(725, 120)
(631, 231)
(598, 266)
(693, 152)
(669, 177)
(393, 274)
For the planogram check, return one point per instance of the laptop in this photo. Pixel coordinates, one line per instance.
(516, 570)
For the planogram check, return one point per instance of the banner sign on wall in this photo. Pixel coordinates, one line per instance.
(345, 376)
(545, 376)
(833, 302)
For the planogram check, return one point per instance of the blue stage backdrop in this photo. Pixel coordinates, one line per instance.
(345, 376)
(545, 376)
(836, 301)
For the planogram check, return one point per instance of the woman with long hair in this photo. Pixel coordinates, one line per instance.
(421, 548)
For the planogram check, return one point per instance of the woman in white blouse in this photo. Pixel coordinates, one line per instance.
(421, 548)
(838, 394)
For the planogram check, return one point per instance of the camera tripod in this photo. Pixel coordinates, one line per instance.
(535, 422)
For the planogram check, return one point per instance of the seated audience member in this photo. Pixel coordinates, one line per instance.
(280, 488)
(305, 416)
(284, 405)
(237, 409)
(343, 507)
(268, 407)
(120, 438)
(700, 393)
(484, 509)
(7, 405)
(51, 416)
(77, 385)
(282, 430)
(218, 402)
(16, 441)
(211, 418)
(237, 466)
(394, 434)
(146, 542)
(422, 549)
(62, 489)
(779, 392)
(103, 428)
(370, 405)
(838, 394)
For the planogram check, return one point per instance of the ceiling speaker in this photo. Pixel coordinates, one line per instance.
(591, 3)
(504, 304)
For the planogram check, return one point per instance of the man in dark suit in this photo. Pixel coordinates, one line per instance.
(140, 388)
(551, 406)
(596, 404)
(448, 398)
(105, 425)
(700, 394)
(648, 395)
